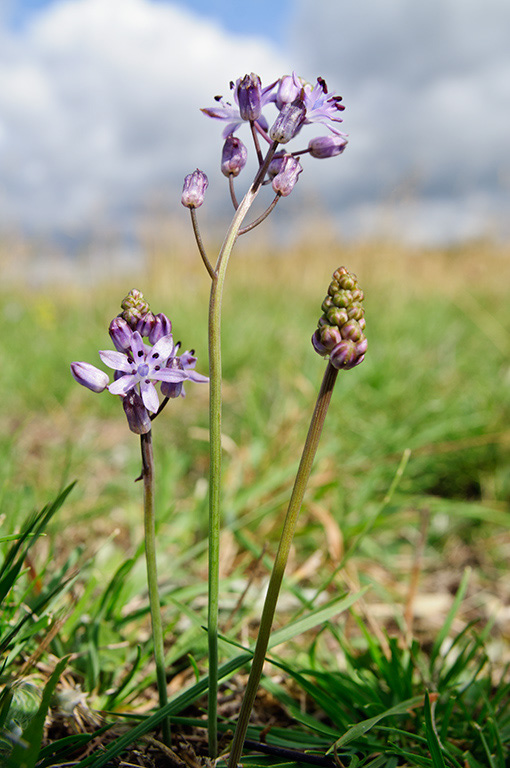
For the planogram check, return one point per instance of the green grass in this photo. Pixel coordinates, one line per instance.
(435, 382)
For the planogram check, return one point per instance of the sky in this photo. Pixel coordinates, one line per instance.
(99, 108)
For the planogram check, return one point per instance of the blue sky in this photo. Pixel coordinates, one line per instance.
(99, 107)
(259, 17)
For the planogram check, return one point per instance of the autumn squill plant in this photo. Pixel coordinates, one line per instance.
(295, 104)
(138, 368)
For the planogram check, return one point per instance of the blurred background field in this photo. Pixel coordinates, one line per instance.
(435, 382)
(409, 495)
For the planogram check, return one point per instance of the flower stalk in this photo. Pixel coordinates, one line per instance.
(152, 575)
(273, 590)
(215, 409)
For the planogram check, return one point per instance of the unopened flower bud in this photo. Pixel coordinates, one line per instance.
(234, 156)
(318, 346)
(285, 181)
(248, 95)
(162, 327)
(193, 190)
(330, 336)
(89, 376)
(276, 164)
(344, 355)
(137, 414)
(327, 146)
(289, 121)
(340, 329)
(135, 307)
(287, 91)
(145, 325)
(351, 330)
(120, 333)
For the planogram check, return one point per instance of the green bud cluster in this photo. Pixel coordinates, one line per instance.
(134, 308)
(340, 332)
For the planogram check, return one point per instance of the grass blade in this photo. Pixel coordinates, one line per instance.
(26, 753)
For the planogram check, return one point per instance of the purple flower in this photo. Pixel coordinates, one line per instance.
(234, 156)
(162, 327)
(120, 333)
(231, 113)
(249, 95)
(89, 376)
(322, 107)
(288, 90)
(285, 180)
(193, 190)
(185, 362)
(327, 146)
(136, 413)
(289, 121)
(141, 367)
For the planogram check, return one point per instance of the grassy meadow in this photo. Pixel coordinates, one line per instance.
(409, 499)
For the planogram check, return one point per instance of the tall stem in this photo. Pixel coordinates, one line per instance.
(152, 575)
(296, 500)
(215, 407)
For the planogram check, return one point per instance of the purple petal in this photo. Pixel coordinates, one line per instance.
(89, 376)
(169, 374)
(149, 395)
(194, 376)
(162, 350)
(138, 348)
(116, 360)
(123, 385)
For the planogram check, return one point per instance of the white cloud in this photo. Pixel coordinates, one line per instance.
(99, 105)
(427, 109)
(99, 109)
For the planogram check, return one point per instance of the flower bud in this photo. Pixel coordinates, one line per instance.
(287, 91)
(193, 190)
(234, 156)
(351, 330)
(135, 307)
(318, 346)
(162, 327)
(137, 414)
(340, 329)
(285, 181)
(344, 355)
(248, 96)
(330, 336)
(145, 325)
(327, 146)
(289, 121)
(276, 164)
(120, 333)
(89, 376)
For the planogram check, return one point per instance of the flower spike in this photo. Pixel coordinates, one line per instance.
(340, 332)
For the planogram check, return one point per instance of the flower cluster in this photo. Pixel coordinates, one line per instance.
(340, 332)
(138, 366)
(298, 103)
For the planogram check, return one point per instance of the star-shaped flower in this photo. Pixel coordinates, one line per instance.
(141, 366)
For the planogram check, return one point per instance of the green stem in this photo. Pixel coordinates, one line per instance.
(215, 407)
(296, 500)
(152, 575)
